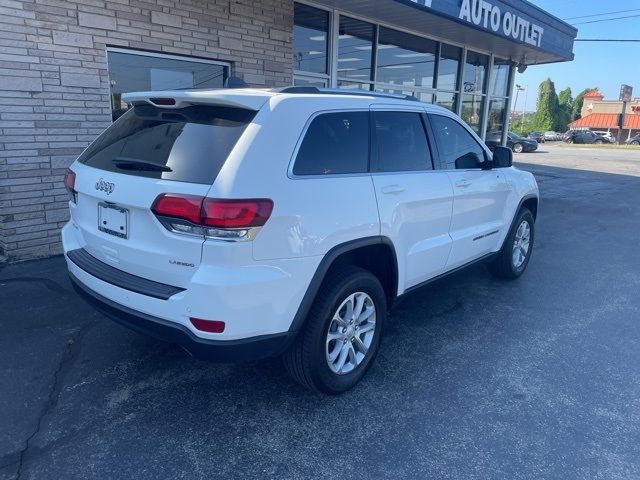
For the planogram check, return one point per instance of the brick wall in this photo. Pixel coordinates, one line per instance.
(54, 94)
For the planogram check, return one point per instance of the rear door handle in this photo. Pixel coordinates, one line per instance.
(463, 183)
(390, 189)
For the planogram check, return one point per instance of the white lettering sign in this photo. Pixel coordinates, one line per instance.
(486, 15)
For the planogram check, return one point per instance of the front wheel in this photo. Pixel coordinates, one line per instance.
(635, 143)
(517, 148)
(342, 333)
(512, 260)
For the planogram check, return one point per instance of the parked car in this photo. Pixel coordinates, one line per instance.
(249, 223)
(633, 140)
(584, 136)
(550, 136)
(606, 136)
(514, 142)
(537, 136)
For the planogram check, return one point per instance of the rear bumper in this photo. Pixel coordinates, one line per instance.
(246, 349)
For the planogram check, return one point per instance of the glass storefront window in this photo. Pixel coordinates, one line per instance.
(475, 72)
(354, 85)
(448, 67)
(497, 107)
(310, 39)
(309, 82)
(446, 100)
(132, 71)
(499, 77)
(472, 110)
(405, 59)
(355, 49)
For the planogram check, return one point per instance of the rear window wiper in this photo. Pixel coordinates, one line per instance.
(126, 163)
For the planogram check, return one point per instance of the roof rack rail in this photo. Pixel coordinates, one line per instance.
(338, 91)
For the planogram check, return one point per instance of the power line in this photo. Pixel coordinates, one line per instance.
(607, 19)
(607, 40)
(602, 14)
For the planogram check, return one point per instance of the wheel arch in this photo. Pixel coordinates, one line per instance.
(376, 254)
(529, 202)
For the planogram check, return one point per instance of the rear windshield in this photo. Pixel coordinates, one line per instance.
(187, 144)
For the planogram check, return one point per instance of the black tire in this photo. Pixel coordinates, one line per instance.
(599, 142)
(306, 359)
(503, 266)
(635, 143)
(518, 147)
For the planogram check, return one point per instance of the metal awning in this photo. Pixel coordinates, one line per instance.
(513, 29)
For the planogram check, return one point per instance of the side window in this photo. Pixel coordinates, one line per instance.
(336, 142)
(401, 141)
(456, 146)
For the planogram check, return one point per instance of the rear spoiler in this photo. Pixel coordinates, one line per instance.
(249, 99)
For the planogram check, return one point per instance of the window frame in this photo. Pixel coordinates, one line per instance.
(440, 164)
(303, 133)
(375, 164)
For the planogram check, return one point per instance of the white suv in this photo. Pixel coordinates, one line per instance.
(248, 223)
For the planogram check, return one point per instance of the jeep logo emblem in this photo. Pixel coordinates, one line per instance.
(106, 187)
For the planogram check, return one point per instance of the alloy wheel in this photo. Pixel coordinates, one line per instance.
(521, 244)
(350, 333)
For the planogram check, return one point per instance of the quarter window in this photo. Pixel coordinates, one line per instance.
(401, 142)
(456, 146)
(335, 143)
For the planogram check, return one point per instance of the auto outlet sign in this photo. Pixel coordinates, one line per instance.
(490, 16)
(493, 16)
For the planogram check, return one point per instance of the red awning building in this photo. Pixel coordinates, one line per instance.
(601, 114)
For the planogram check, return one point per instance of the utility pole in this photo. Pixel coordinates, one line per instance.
(625, 95)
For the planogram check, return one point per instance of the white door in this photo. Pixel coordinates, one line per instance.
(414, 200)
(480, 196)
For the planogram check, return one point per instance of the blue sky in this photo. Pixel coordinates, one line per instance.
(602, 65)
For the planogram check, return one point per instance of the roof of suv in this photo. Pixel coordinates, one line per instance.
(255, 98)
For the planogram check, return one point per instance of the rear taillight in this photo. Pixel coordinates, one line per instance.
(70, 185)
(215, 218)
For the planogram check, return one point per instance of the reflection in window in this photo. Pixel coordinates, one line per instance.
(405, 59)
(471, 110)
(135, 72)
(402, 143)
(355, 45)
(335, 143)
(310, 39)
(499, 77)
(448, 68)
(447, 100)
(475, 72)
(496, 114)
(456, 146)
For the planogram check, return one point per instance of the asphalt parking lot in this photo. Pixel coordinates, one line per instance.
(477, 378)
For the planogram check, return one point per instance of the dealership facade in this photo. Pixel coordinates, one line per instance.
(66, 63)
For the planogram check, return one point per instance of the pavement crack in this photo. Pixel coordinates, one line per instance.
(67, 359)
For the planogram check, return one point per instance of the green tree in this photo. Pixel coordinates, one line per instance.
(576, 108)
(548, 108)
(565, 103)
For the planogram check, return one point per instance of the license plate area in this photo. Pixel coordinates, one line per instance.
(113, 220)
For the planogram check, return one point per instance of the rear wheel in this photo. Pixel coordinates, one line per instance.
(635, 142)
(342, 333)
(599, 142)
(517, 147)
(512, 260)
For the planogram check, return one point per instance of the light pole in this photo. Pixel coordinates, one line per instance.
(515, 103)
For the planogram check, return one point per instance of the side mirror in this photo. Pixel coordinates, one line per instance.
(468, 161)
(502, 157)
